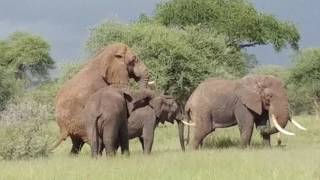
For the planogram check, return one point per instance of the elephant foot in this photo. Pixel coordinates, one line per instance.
(279, 142)
(279, 139)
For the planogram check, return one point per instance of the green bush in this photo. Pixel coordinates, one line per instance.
(9, 86)
(275, 70)
(23, 130)
(305, 80)
(178, 59)
(24, 62)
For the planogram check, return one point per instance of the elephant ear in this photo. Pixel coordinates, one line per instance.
(111, 65)
(114, 71)
(138, 99)
(250, 99)
(156, 104)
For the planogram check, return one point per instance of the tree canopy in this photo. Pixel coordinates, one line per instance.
(27, 55)
(23, 58)
(187, 41)
(178, 59)
(243, 25)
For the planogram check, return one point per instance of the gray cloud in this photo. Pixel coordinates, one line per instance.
(304, 14)
(65, 23)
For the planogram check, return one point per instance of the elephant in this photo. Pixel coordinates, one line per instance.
(251, 100)
(143, 121)
(105, 118)
(113, 66)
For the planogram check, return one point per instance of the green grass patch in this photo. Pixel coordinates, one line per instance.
(221, 158)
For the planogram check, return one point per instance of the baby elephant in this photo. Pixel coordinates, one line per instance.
(105, 116)
(143, 121)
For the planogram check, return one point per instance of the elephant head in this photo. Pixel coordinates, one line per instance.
(167, 109)
(266, 94)
(117, 63)
(137, 99)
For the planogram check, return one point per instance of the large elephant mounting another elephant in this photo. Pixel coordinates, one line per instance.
(114, 65)
(249, 101)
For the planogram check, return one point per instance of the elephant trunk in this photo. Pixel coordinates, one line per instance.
(279, 115)
(141, 75)
(143, 82)
(181, 133)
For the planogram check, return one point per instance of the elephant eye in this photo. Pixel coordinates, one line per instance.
(118, 56)
(269, 96)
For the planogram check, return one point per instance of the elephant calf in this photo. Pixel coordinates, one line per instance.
(105, 118)
(143, 121)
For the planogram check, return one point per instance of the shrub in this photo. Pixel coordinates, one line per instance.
(277, 71)
(305, 80)
(23, 130)
(9, 86)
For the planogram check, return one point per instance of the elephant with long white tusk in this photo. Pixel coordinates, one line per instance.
(252, 100)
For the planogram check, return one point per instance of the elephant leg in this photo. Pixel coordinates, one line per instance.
(246, 123)
(77, 144)
(199, 135)
(188, 136)
(142, 143)
(201, 131)
(148, 136)
(266, 137)
(124, 139)
(266, 140)
(109, 141)
(101, 148)
(96, 147)
(262, 122)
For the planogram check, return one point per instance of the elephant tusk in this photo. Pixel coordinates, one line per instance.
(188, 124)
(298, 125)
(151, 82)
(279, 128)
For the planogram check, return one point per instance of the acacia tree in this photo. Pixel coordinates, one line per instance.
(23, 58)
(28, 55)
(186, 41)
(243, 25)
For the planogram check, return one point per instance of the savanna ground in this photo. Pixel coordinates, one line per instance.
(221, 158)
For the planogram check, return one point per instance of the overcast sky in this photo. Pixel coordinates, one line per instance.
(65, 23)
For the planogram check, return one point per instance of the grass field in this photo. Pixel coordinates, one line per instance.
(221, 158)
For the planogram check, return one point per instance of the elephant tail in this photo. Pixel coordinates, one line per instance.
(62, 138)
(95, 136)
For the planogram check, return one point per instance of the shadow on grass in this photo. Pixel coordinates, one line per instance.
(221, 143)
(230, 142)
